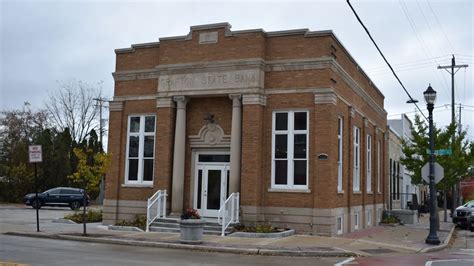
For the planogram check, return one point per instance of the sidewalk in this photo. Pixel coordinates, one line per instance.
(378, 240)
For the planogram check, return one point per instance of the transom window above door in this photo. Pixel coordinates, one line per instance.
(140, 150)
(290, 149)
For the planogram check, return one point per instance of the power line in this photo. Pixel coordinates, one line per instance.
(399, 81)
(383, 71)
(421, 41)
(413, 62)
(436, 107)
(440, 25)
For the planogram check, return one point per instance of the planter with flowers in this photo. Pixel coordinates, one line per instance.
(191, 227)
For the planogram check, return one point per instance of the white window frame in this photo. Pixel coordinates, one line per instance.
(369, 163)
(369, 217)
(290, 133)
(356, 170)
(378, 168)
(356, 221)
(340, 143)
(141, 134)
(339, 225)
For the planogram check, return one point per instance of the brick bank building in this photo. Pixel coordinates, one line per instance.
(286, 118)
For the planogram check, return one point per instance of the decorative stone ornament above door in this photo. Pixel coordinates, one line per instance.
(210, 135)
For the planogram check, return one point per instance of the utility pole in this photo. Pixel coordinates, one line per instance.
(453, 65)
(100, 102)
(459, 123)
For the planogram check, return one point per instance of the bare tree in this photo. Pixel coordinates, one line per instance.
(72, 106)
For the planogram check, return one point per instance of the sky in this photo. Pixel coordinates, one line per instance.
(45, 43)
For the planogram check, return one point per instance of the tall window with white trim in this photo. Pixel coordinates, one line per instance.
(340, 129)
(369, 163)
(356, 220)
(356, 170)
(378, 167)
(290, 150)
(339, 225)
(140, 149)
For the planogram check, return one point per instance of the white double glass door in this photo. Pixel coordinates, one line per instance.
(211, 187)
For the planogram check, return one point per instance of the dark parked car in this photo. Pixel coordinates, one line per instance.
(60, 196)
(463, 215)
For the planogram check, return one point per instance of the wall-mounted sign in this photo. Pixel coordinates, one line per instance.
(322, 156)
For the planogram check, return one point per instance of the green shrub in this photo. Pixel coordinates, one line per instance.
(139, 221)
(259, 228)
(93, 216)
(390, 219)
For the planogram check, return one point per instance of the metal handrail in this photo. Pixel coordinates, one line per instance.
(233, 202)
(158, 199)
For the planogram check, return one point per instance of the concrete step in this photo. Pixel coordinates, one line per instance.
(164, 224)
(176, 230)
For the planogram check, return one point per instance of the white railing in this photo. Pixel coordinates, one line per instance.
(155, 208)
(229, 212)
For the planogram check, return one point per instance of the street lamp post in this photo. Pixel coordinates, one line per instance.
(432, 239)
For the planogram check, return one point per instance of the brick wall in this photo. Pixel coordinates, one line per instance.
(256, 119)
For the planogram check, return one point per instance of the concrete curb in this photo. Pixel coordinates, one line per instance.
(264, 235)
(442, 246)
(204, 247)
(124, 228)
(387, 245)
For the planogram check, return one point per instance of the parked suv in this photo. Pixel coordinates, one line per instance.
(60, 196)
(463, 215)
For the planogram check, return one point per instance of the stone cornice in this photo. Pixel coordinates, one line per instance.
(325, 96)
(136, 74)
(227, 27)
(298, 64)
(134, 98)
(115, 106)
(165, 102)
(136, 46)
(252, 63)
(235, 64)
(356, 87)
(249, 99)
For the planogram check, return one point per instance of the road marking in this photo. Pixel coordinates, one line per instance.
(430, 263)
(345, 262)
(463, 252)
(5, 263)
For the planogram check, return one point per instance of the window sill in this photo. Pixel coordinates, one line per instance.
(289, 190)
(370, 192)
(138, 185)
(340, 192)
(356, 192)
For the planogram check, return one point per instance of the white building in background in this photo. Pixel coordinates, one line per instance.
(402, 128)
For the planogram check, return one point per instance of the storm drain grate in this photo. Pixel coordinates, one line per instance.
(378, 250)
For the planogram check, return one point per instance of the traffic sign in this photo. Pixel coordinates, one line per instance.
(441, 152)
(35, 154)
(438, 172)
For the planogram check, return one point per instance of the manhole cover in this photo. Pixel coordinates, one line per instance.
(378, 250)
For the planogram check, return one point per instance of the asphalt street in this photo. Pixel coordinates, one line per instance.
(39, 251)
(42, 251)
